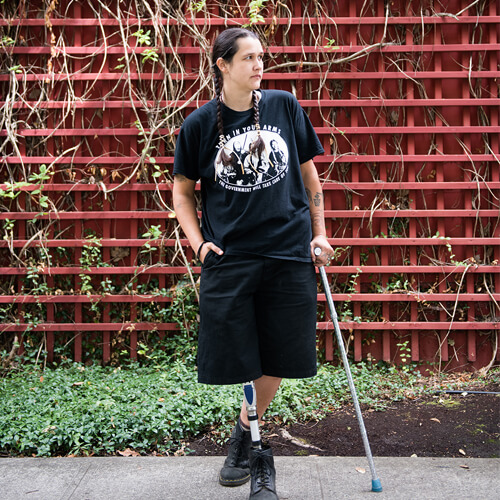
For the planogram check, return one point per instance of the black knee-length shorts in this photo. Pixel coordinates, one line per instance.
(258, 317)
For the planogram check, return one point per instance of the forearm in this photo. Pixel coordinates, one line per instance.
(190, 224)
(187, 216)
(314, 192)
(186, 213)
(317, 210)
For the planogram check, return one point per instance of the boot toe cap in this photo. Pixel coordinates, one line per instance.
(234, 476)
(264, 494)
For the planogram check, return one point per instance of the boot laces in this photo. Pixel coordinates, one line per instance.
(236, 447)
(262, 472)
(237, 441)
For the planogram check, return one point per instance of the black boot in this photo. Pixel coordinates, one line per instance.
(236, 470)
(263, 485)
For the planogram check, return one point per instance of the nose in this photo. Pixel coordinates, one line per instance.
(259, 64)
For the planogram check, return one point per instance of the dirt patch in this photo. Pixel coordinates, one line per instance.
(436, 426)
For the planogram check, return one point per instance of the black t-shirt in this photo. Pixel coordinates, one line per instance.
(251, 205)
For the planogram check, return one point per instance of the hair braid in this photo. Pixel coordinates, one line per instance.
(258, 145)
(225, 158)
(225, 46)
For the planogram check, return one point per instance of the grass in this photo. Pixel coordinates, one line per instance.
(81, 410)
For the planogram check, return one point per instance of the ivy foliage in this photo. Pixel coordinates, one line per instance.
(82, 410)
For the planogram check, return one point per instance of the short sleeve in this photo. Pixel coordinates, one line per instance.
(186, 158)
(308, 145)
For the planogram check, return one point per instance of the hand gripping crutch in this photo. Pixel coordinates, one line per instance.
(253, 417)
(376, 485)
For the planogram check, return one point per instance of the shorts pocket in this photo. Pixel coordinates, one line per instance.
(209, 260)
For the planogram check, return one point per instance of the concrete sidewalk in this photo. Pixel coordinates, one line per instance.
(195, 478)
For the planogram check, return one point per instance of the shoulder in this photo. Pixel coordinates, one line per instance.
(201, 116)
(283, 100)
(281, 96)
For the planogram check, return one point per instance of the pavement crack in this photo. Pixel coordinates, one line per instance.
(77, 485)
(319, 481)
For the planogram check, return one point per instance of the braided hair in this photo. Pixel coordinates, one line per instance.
(225, 46)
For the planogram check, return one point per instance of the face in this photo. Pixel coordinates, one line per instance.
(244, 72)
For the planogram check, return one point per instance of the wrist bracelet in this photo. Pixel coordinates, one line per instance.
(199, 249)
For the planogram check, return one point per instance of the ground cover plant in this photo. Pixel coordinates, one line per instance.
(160, 408)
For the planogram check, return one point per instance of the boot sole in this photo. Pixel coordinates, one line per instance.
(234, 482)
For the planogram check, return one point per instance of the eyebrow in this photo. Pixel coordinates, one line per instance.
(252, 53)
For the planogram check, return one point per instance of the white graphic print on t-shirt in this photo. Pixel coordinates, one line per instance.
(247, 172)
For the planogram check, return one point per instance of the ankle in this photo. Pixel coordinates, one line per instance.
(243, 426)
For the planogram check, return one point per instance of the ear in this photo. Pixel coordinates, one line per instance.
(221, 64)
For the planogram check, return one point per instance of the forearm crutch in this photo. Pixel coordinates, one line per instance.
(253, 417)
(376, 485)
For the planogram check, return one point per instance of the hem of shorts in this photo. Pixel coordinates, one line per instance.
(239, 380)
(227, 381)
(295, 258)
(295, 375)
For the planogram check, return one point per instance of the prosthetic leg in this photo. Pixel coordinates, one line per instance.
(262, 471)
(251, 405)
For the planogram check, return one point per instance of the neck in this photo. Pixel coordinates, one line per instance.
(237, 101)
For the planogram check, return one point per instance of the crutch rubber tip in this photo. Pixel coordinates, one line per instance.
(376, 485)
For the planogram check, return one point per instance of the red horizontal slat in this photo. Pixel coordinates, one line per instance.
(155, 214)
(130, 326)
(412, 325)
(167, 269)
(89, 327)
(413, 241)
(59, 215)
(82, 299)
(268, 75)
(365, 242)
(382, 75)
(355, 297)
(62, 270)
(329, 186)
(294, 21)
(408, 129)
(375, 102)
(437, 185)
(377, 214)
(286, 49)
(346, 158)
(379, 130)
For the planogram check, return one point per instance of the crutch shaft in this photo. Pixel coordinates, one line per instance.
(376, 485)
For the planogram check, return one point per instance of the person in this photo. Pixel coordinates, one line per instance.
(256, 242)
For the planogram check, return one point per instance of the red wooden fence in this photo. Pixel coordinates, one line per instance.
(404, 98)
